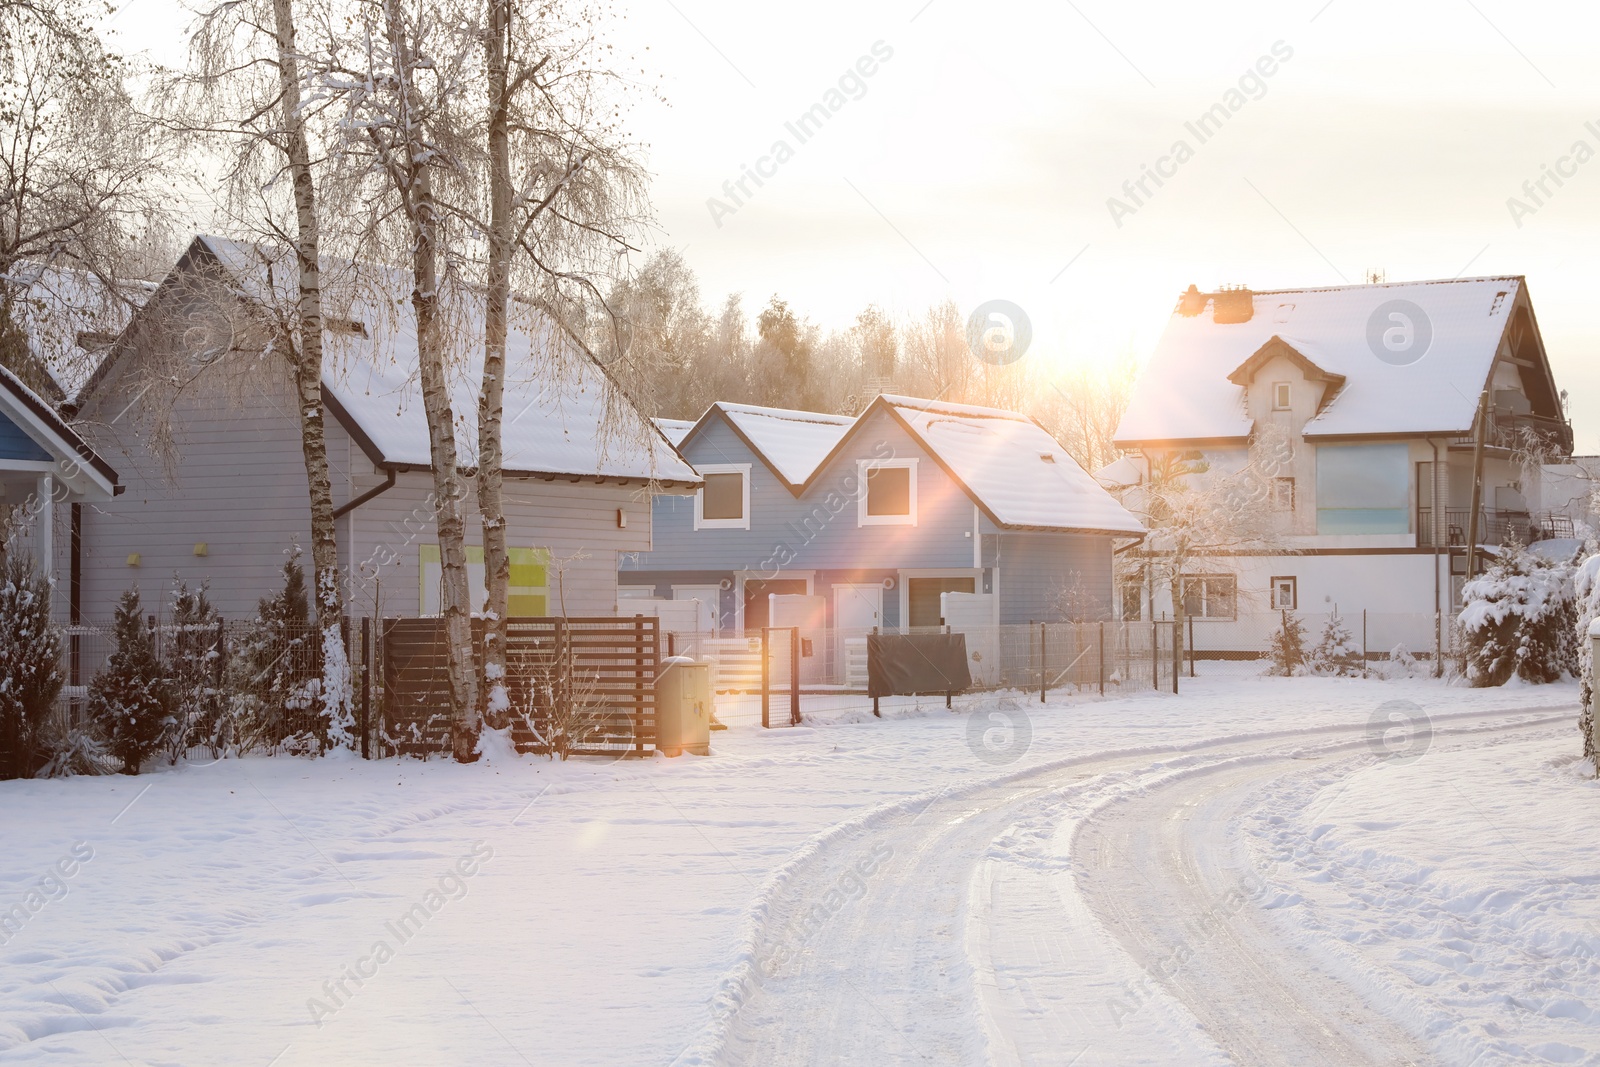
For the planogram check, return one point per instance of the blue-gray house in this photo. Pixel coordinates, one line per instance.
(877, 515)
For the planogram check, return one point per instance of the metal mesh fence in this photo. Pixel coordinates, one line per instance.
(239, 686)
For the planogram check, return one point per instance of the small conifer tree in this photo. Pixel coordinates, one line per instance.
(1336, 652)
(1288, 646)
(131, 701)
(30, 666)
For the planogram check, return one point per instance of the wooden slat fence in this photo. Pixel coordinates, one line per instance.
(578, 686)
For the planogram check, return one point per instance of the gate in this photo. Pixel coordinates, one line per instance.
(583, 686)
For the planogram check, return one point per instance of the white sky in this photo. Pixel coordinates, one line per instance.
(978, 163)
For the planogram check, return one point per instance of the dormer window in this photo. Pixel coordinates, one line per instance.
(1280, 396)
(724, 502)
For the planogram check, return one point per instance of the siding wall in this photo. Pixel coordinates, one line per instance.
(818, 531)
(1039, 571)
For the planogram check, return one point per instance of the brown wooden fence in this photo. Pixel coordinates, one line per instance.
(583, 686)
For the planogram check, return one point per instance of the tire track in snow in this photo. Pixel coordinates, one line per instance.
(967, 943)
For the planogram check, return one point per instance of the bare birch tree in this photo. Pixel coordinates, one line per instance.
(82, 170)
(404, 74)
(565, 198)
(245, 94)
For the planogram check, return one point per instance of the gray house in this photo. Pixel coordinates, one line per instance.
(196, 406)
(874, 517)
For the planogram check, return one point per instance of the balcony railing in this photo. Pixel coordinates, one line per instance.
(1509, 430)
(1495, 527)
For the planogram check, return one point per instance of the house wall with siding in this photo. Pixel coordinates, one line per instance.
(233, 479)
(1041, 574)
(818, 531)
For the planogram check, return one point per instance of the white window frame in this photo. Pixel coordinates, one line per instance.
(1279, 504)
(1288, 391)
(1293, 584)
(703, 523)
(865, 465)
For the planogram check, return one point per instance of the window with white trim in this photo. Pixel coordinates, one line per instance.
(888, 494)
(723, 503)
(1285, 593)
(1281, 395)
(1283, 494)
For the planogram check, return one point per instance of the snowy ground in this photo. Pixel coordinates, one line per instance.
(1118, 881)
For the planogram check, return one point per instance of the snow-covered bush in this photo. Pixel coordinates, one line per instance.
(1287, 649)
(1586, 592)
(1336, 652)
(30, 666)
(71, 752)
(1520, 619)
(193, 659)
(131, 700)
(1402, 664)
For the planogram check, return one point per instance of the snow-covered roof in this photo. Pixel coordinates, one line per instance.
(1185, 393)
(76, 464)
(1120, 473)
(675, 430)
(70, 316)
(562, 413)
(1012, 467)
(792, 442)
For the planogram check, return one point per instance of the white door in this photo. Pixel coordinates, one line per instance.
(856, 610)
(709, 598)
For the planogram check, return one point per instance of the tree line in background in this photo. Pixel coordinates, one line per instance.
(680, 356)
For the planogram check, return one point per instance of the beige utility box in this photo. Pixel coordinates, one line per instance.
(683, 707)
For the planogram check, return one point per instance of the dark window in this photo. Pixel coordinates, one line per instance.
(923, 593)
(889, 491)
(1210, 596)
(723, 497)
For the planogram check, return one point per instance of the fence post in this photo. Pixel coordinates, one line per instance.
(1363, 642)
(794, 676)
(366, 684)
(1155, 655)
(1044, 669)
(875, 713)
(1101, 648)
(1438, 643)
(766, 680)
(1191, 644)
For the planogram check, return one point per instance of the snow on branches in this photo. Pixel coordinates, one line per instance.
(1519, 619)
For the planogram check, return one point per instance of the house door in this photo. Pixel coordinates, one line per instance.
(856, 610)
(923, 597)
(756, 591)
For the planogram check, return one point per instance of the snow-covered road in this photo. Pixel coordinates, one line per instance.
(857, 890)
(1095, 910)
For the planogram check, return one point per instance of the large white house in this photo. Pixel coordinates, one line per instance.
(1381, 392)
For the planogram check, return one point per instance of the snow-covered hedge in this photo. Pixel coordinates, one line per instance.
(1586, 591)
(1520, 619)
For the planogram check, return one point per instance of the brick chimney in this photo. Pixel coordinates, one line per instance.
(1232, 305)
(1192, 302)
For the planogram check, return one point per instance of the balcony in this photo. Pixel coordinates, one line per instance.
(1494, 527)
(1510, 430)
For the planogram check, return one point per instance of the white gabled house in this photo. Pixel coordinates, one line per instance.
(198, 410)
(1378, 389)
